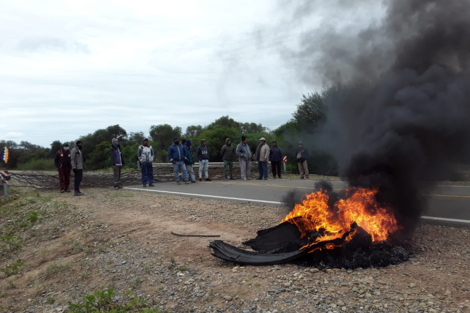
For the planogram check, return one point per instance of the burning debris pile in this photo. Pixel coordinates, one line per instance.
(325, 228)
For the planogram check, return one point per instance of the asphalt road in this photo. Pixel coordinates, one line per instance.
(447, 204)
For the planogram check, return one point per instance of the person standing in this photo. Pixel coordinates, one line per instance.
(63, 164)
(275, 156)
(244, 157)
(118, 162)
(228, 155)
(203, 157)
(262, 156)
(302, 157)
(76, 158)
(146, 156)
(177, 155)
(189, 161)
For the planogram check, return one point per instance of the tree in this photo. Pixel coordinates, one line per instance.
(193, 131)
(249, 128)
(56, 145)
(99, 158)
(225, 121)
(136, 138)
(310, 112)
(164, 134)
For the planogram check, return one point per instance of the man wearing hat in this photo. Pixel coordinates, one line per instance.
(302, 157)
(189, 161)
(177, 155)
(275, 156)
(262, 156)
(203, 157)
(244, 154)
(63, 164)
(146, 156)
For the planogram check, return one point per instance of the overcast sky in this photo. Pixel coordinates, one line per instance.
(68, 68)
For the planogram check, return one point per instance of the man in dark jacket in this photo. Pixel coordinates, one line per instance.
(275, 155)
(189, 161)
(228, 155)
(118, 162)
(177, 155)
(76, 158)
(203, 157)
(63, 164)
(302, 157)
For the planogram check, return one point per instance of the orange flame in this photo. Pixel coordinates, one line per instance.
(314, 215)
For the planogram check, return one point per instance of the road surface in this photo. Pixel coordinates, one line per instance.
(447, 204)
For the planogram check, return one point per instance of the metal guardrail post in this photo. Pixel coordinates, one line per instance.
(4, 178)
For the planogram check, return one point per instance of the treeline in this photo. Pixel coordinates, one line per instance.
(309, 114)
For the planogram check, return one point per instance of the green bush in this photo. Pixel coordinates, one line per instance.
(38, 165)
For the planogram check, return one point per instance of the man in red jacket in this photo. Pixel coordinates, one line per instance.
(63, 164)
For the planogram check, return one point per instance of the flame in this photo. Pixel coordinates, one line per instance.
(315, 218)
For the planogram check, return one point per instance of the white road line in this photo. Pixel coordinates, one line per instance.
(442, 219)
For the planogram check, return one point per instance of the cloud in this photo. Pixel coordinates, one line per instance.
(13, 135)
(52, 44)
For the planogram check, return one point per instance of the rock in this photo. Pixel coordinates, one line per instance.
(447, 293)
(412, 285)
(228, 298)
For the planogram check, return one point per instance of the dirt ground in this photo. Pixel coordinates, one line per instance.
(56, 248)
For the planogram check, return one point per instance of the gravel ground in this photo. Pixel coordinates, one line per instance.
(122, 239)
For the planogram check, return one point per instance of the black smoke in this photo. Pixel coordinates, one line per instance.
(398, 111)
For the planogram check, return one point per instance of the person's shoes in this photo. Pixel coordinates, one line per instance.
(231, 178)
(208, 179)
(280, 177)
(301, 177)
(120, 187)
(249, 178)
(225, 178)
(265, 178)
(77, 193)
(274, 177)
(193, 182)
(244, 178)
(144, 185)
(66, 190)
(81, 193)
(306, 177)
(186, 182)
(178, 183)
(62, 191)
(200, 179)
(259, 179)
(151, 185)
(116, 188)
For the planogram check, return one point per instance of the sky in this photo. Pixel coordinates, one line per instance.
(68, 68)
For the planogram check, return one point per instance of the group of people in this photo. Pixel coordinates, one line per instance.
(181, 156)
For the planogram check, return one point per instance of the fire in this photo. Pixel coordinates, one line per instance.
(315, 218)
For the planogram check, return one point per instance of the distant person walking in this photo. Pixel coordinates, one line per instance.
(146, 156)
(189, 161)
(118, 162)
(63, 164)
(228, 156)
(177, 155)
(244, 157)
(262, 156)
(203, 157)
(302, 157)
(76, 158)
(275, 156)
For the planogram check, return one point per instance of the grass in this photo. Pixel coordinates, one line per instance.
(14, 268)
(35, 165)
(55, 269)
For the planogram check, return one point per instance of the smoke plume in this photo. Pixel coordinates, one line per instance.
(398, 115)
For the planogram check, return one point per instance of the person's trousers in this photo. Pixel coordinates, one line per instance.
(64, 177)
(263, 169)
(303, 169)
(190, 170)
(204, 165)
(179, 165)
(78, 179)
(147, 173)
(228, 169)
(276, 168)
(117, 175)
(245, 168)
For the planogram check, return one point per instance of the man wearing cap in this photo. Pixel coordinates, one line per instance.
(76, 158)
(244, 157)
(302, 157)
(275, 156)
(146, 156)
(177, 155)
(63, 164)
(203, 157)
(189, 161)
(228, 155)
(262, 156)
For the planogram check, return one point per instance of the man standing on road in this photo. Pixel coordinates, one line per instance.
(118, 162)
(228, 155)
(244, 157)
(63, 165)
(262, 156)
(177, 155)
(203, 157)
(146, 155)
(189, 161)
(76, 158)
(275, 156)
(302, 157)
